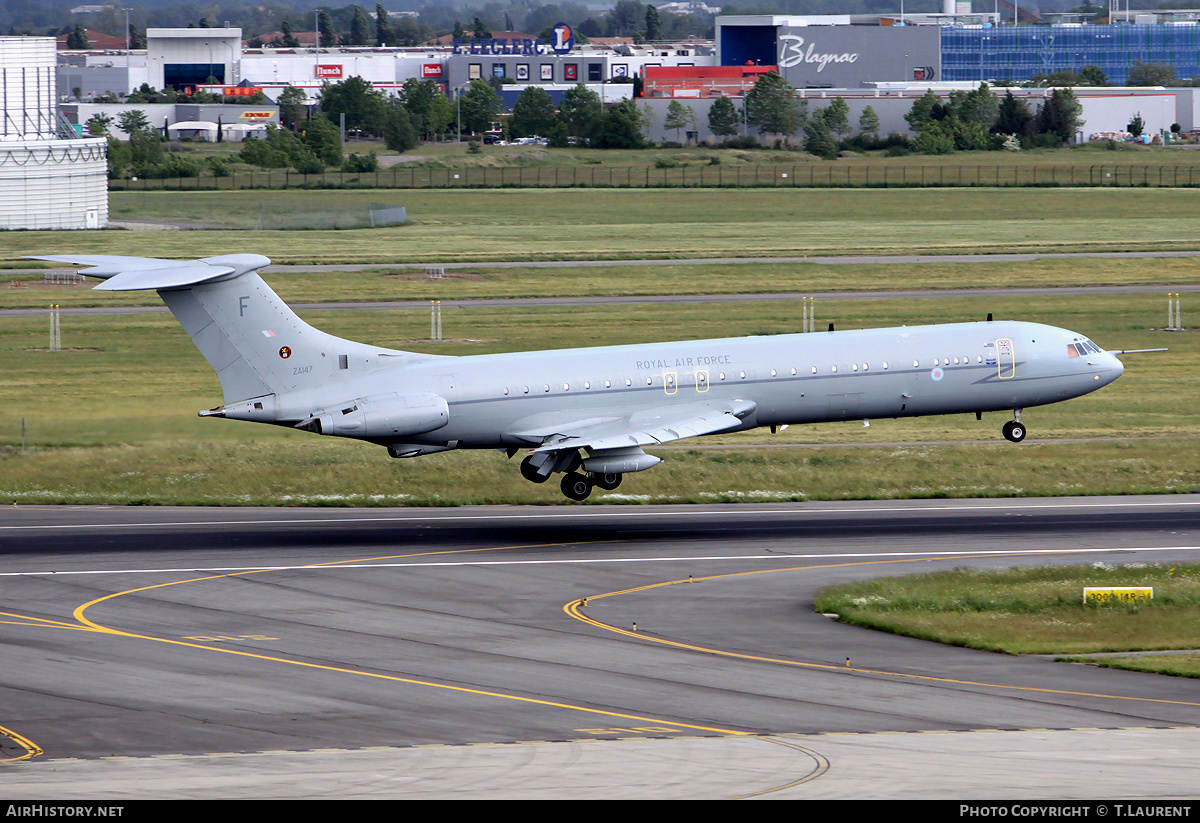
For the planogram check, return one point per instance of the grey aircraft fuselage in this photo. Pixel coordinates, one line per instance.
(791, 379)
(594, 408)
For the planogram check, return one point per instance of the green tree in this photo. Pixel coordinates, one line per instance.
(137, 37)
(818, 138)
(922, 110)
(620, 127)
(145, 148)
(1093, 76)
(1059, 115)
(291, 106)
(441, 115)
(289, 39)
(868, 123)
(399, 134)
(98, 125)
(383, 26)
(325, 27)
(935, 137)
(678, 117)
(1150, 74)
(771, 105)
(77, 40)
(625, 18)
(1137, 125)
(118, 157)
(358, 100)
(723, 119)
(479, 106)
(267, 153)
(132, 121)
(654, 30)
(1013, 116)
(360, 27)
(837, 116)
(979, 106)
(533, 113)
(418, 97)
(581, 112)
(324, 140)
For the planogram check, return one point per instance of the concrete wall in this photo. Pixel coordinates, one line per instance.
(1108, 110)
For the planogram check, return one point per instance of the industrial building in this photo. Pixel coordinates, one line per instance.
(882, 61)
(50, 177)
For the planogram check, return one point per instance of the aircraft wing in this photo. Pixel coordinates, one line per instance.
(646, 427)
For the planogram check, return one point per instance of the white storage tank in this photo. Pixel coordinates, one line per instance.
(49, 179)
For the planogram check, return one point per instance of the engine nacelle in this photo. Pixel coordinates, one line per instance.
(397, 414)
(619, 461)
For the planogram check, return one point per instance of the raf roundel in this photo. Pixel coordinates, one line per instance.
(937, 374)
(285, 352)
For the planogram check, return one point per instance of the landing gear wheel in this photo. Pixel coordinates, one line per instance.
(1014, 431)
(530, 472)
(576, 486)
(606, 480)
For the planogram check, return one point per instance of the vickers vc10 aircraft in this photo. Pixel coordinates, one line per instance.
(589, 413)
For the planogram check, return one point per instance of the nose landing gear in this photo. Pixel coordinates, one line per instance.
(1014, 430)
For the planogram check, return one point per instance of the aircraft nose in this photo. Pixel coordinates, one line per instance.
(1114, 368)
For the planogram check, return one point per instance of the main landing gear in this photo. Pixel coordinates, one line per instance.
(578, 485)
(1014, 430)
(575, 484)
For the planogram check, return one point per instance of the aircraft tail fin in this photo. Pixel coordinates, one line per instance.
(254, 342)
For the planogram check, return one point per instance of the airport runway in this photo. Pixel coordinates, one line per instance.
(567, 651)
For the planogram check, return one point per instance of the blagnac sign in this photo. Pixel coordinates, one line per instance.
(793, 53)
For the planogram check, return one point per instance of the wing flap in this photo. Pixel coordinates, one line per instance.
(644, 428)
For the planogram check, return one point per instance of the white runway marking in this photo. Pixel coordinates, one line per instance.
(1004, 507)
(350, 564)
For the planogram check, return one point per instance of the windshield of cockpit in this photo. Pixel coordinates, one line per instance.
(1082, 348)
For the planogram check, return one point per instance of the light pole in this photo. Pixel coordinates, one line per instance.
(458, 102)
(232, 79)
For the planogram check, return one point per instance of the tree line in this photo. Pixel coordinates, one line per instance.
(976, 120)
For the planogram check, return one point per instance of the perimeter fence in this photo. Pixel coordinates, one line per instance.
(698, 176)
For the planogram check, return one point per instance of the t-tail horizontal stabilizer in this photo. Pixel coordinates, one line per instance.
(137, 273)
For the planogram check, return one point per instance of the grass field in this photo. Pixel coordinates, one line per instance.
(464, 282)
(457, 155)
(488, 225)
(1035, 610)
(117, 421)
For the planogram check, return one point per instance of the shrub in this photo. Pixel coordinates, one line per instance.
(360, 163)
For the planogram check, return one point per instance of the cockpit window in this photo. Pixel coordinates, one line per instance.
(1073, 349)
